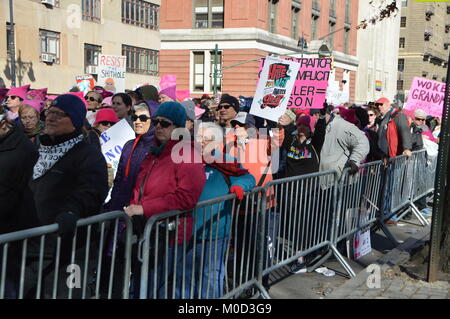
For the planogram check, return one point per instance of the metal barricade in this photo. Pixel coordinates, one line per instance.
(301, 221)
(208, 252)
(399, 181)
(37, 263)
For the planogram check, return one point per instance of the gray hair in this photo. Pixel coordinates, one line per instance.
(217, 129)
(141, 107)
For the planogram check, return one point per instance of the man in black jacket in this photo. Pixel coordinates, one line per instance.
(69, 182)
(70, 179)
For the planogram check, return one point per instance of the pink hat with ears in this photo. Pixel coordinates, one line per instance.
(51, 97)
(35, 104)
(80, 95)
(348, 114)
(170, 91)
(37, 94)
(307, 120)
(107, 100)
(19, 91)
(198, 112)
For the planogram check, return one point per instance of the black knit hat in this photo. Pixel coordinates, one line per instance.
(232, 101)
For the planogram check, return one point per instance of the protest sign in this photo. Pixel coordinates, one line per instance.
(274, 88)
(311, 83)
(362, 245)
(427, 95)
(111, 72)
(85, 83)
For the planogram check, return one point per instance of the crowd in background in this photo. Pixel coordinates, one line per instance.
(53, 170)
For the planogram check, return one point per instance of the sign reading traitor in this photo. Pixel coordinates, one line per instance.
(311, 83)
(111, 72)
(274, 88)
(427, 95)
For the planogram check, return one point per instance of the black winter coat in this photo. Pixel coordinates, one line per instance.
(78, 182)
(17, 159)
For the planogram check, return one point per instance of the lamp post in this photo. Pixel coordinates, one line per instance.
(11, 44)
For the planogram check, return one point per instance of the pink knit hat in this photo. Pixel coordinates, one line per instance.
(37, 94)
(19, 91)
(307, 120)
(170, 91)
(107, 100)
(35, 104)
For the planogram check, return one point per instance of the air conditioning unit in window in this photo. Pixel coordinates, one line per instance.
(47, 58)
(91, 69)
(49, 2)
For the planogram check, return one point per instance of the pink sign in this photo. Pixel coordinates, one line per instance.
(427, 95)
(312, 82)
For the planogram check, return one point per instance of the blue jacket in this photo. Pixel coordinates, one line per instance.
(218, 216)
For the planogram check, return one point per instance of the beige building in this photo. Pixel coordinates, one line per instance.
(423, 43)
(378, 54)
(57, 40)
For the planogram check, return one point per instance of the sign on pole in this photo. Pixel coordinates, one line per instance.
(111, 72)
(85, 83)
(427, 95)
(311, 83)
(274, 88)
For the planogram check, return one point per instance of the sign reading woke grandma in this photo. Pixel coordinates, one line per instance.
(311, 84)
(427, 95)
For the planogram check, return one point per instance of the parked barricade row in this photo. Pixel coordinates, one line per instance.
(38, 264)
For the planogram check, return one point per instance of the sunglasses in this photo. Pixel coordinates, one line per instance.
(234, 123)
(417, 119)
(12, 97)
(106, 123)
(224, 106)
(142, 118)
(371, 114)
(92, 99)
(163, 123)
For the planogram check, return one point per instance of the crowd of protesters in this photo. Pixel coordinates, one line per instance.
(53, 170)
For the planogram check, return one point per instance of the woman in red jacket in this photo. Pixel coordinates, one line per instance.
(164, 182)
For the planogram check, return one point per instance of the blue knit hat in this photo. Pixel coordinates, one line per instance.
(73, 106)
(173, 111)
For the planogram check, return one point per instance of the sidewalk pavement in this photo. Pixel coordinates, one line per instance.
(393, 283)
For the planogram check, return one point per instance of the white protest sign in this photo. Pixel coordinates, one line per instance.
(113, 140)
(362, 244)
(274, 88)
(111, 72)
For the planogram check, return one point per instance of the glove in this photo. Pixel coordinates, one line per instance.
(67, 223)
(238, 190)
(353, 167)
(324, 109)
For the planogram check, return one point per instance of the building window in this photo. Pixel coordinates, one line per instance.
(401, 43)
(91, 10)
(219, 66)
(49, 46)
(314, 26)
(435, 77)
(347, 11)
(399, 85)
(140, 13)
(346, 40)
(295, 11)
(273, 12)
(199, 72)
(403, 22)
(333, 8)
(141, 61)
(401, 64)
(208, 14)
(331, 34)
(8, 38)
(404, 3)
(91, 53)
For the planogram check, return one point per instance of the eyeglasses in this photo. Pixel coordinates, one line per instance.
(371, 114)
(164, 123)
(224, 106)
(142, 118)
(92, 99)
(417, 119)
(106, 123)
(56, 114)
(12, 97)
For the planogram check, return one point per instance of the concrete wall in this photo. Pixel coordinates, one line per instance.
(111, 33)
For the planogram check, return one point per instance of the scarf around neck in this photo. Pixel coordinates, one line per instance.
(49, 155)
